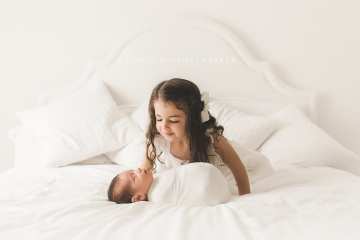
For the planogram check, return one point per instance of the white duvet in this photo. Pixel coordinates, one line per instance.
(70, 203)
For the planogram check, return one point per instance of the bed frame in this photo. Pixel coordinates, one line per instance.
(204, 51)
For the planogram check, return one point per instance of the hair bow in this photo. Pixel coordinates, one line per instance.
(205, 112)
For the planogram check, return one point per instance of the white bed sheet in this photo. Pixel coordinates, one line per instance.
(70, 203)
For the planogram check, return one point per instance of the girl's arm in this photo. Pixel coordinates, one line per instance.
(232, 160)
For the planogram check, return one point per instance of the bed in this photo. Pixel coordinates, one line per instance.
(311, 194)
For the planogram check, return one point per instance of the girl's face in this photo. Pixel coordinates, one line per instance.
(170, 121)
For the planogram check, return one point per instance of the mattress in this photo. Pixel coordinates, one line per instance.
(71, 203)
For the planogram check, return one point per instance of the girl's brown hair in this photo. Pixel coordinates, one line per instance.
(187, 97)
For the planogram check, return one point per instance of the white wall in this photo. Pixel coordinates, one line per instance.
(313, 43)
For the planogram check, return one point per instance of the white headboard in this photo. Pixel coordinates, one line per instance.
(201, 50)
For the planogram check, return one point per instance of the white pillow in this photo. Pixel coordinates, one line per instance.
(131, 155)
(248, 130)
(99, 159)
(75, 127)
(27, 150)
(257, 164)
(141, 116)
(126, 130)
(301, 143)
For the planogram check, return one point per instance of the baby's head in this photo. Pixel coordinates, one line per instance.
(130, 186)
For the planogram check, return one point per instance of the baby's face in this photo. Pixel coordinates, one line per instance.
(138, 181)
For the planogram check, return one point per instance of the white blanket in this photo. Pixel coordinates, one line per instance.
(71, 203)
(195, 184)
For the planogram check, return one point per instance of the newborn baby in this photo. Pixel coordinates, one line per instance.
(192, 184)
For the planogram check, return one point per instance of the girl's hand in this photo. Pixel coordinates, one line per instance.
(221, 145)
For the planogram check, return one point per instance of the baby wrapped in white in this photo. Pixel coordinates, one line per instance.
(193, 184)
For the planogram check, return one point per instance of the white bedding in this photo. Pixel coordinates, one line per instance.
(70, 203)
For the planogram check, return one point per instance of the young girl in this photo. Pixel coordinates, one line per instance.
(181, 131)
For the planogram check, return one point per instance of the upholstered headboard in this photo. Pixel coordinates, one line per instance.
(204, 51)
